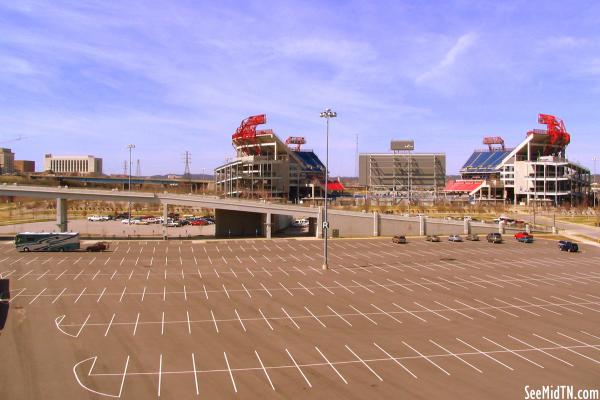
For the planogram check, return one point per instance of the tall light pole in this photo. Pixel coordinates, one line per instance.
(594, 159)
(327, 114)
(130, 147)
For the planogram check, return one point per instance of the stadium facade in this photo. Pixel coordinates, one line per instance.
(266, 167)
(402, 172)
(537, 170)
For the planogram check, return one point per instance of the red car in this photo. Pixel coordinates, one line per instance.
(199, 222)
(523, 235)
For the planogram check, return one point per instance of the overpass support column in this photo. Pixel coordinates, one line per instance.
(467, 228)
(165, 217)
(268, 226)
(375, 223)
(422, 225)
(61, 214)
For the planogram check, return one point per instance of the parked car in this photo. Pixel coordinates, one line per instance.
(173, 224)
(199, 222)
(472, 237)
(568, 246)
(433, 238)
(95, 218)
(400, 239)
(524, 237)
(98, 246)
(300, 222)
(455, 238)
(494, 237)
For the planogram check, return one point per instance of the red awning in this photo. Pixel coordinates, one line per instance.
(335, 186)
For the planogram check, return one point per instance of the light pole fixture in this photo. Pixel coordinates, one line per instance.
(130, 147)
(327, 114)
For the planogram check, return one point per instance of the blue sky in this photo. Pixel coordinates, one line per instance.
(89, 77)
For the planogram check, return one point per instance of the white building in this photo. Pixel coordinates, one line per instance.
(72, 164)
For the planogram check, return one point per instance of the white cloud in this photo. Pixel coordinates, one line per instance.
(462, 45)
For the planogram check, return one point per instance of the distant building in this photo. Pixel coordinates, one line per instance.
(24, 166)
(72, 164)
(7, 161)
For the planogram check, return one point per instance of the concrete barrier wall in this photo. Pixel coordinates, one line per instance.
(351, 224)
(390, 226)
(444, 227)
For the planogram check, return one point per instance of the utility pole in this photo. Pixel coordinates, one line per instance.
(138, 169)
(130, 147)
(594, 180)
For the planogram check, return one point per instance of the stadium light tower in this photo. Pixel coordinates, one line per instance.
(130, 147)
(327, 114)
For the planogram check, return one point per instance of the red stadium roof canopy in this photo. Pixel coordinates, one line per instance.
(335, 186)
(466, 186)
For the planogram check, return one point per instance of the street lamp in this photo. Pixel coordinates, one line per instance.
(130, 147)
(594, 159)
(327, 114)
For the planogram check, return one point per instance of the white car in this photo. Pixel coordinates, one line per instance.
(95, 218)
(300, 222)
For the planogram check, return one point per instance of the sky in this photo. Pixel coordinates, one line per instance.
(90, 77)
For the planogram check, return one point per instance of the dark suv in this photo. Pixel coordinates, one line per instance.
(571, 247)
(400, 239)
(494, 237)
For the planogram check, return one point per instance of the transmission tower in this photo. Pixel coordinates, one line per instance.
(187, 159)
(138, 169)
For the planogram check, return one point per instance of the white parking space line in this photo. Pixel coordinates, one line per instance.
(453, 310)
(395, 360)
(514, 352)
(475, 309)
(339, 316)
(109, 324)
(492, 307)
(485, 354)
(332, 366)
(563, 307)
(265, 318)
(58, 296)
(515, 306)
(214, 321)
(80, 294)
(386, 313)
(290, 318)
(38, 295)
(298, 368)
(315, 317)
(264, 370)
(363, 314)
(540, 350)
(431, 311)
(457, 357)
(567, 348)
(426, 358)
(365, 364)
(195, 372)
(239, 319)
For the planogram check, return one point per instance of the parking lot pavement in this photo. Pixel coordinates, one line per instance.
(259, 318)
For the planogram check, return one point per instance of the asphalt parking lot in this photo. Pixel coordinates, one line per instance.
(260, 319)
